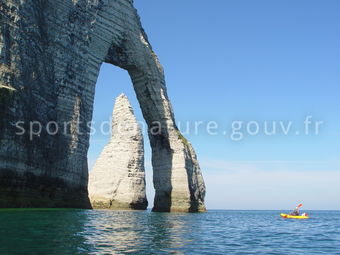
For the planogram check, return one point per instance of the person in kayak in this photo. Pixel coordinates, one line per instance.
(296, 211)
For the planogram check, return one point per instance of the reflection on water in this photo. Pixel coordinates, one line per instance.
(85, 232)
(216, 232)
(135, 232)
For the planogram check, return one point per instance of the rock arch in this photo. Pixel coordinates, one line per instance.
(50, 55)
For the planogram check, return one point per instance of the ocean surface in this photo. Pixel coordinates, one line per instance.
(34, 231)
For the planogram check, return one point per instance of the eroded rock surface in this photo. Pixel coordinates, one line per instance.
(50, 56)
(117, 180)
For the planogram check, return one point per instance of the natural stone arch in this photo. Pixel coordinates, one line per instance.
(51, 52)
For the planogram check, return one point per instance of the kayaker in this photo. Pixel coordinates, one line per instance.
(296, 212)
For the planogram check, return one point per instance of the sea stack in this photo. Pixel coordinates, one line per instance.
(117, 180)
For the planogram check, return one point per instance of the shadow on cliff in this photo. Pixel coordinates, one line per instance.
(162, 170)
(154, 103)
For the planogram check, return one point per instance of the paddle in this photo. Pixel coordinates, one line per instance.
(298, 207)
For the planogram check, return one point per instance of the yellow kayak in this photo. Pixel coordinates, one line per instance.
(287, 216)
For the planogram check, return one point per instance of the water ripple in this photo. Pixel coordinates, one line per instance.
(126, 232)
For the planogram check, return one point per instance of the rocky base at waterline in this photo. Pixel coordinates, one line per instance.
(39, 192)
(117, 180)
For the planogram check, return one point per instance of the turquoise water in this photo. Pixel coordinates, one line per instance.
(214, 232)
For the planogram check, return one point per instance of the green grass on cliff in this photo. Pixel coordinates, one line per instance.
(182, 138)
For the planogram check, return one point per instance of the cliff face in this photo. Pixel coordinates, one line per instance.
(50, 55)
(117, 180)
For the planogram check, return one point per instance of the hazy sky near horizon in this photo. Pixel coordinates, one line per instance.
(253, 62)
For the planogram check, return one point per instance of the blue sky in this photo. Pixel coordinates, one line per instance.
(247, 61)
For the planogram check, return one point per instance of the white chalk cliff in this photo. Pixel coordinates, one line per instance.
(117, 180)
(50, 57)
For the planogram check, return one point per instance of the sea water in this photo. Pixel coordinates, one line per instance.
(39, 231)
